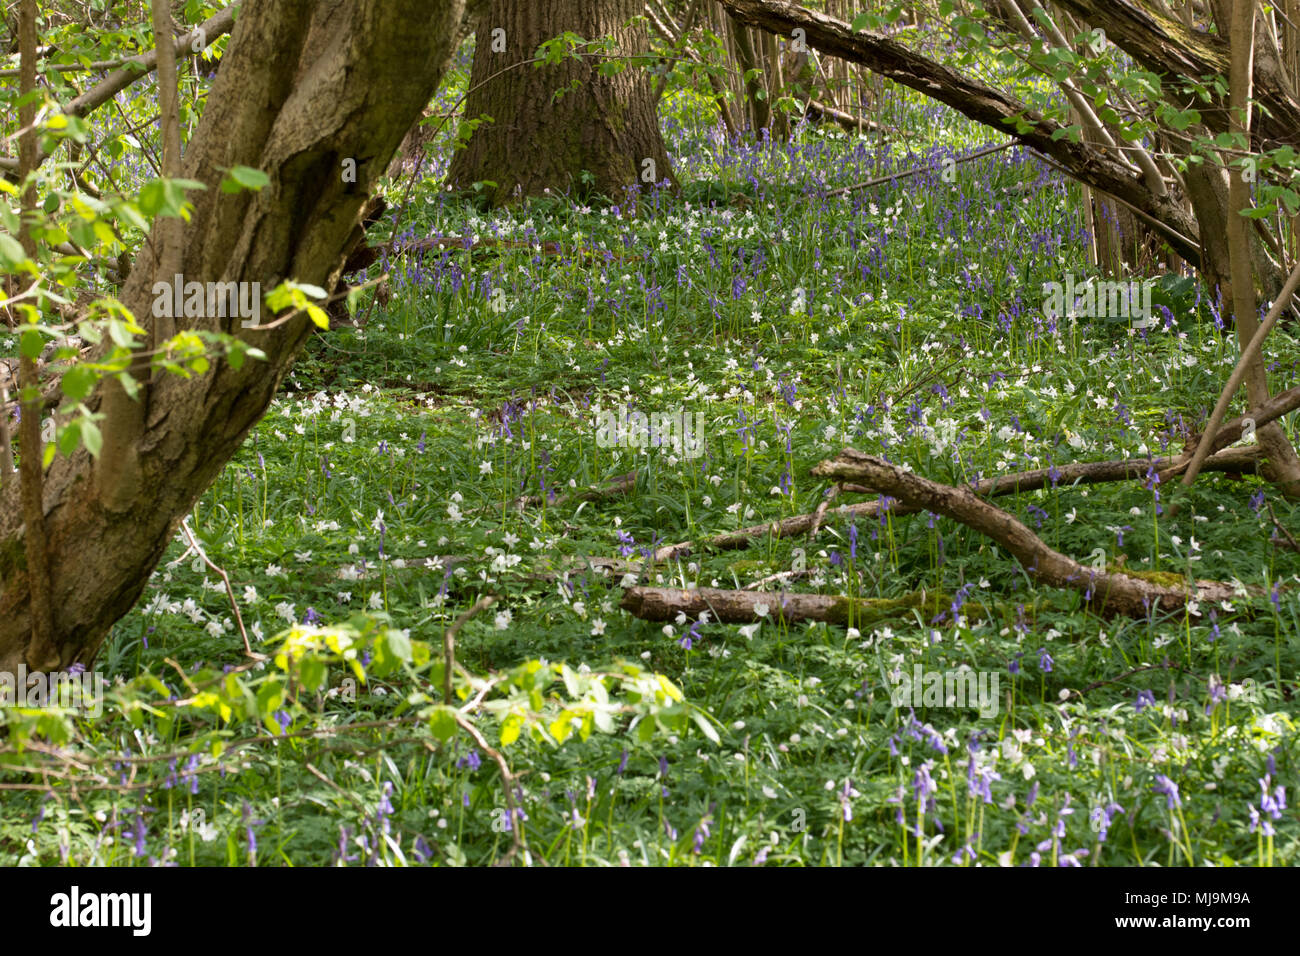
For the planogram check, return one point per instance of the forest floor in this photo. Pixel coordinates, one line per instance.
(903, 320)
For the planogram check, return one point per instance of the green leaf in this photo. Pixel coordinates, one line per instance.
(129, 385)
(645, 731)
(442, 722)
(511, 727)
(399, 645)
(69, 438)
(31, 344)
(705, 727)
(319, 316)
(120, 333)
(312, 672)
(11, 251)
(166, 197)
(91, 437)
(239, 178)
(153, 196)
(78, 382)
(562, 726)
(570, 681)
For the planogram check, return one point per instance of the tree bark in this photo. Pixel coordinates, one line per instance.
(1283, 464)
(594, 138)
(305, 86)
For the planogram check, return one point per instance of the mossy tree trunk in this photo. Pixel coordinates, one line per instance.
(304, 86)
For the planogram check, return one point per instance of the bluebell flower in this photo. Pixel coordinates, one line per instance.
(1167, 787)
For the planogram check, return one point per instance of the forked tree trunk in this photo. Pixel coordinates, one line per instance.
(303, 87)
(562, 127)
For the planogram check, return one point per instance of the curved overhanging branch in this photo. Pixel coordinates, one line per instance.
(980, 102)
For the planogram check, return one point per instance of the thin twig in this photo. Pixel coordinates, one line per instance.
(520, 843)
(449, 642)
(988, 150)
(1277, 524)
(230, 591)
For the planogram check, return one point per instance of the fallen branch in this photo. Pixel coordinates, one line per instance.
(1283, 403)
(1105, 591)
(1234, 461)
(743, 607)
(977, 100)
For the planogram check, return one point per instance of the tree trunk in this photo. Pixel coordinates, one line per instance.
(601, 135)
(306, 86)
(1284, 466)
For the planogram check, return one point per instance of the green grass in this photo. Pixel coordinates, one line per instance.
(432, 420)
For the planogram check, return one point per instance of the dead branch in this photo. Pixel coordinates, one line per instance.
(1107, 592)
(1251, 356)
(1234, 461)
(847, 121)
(907, 173)
(743, 607)
(1229, 433)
